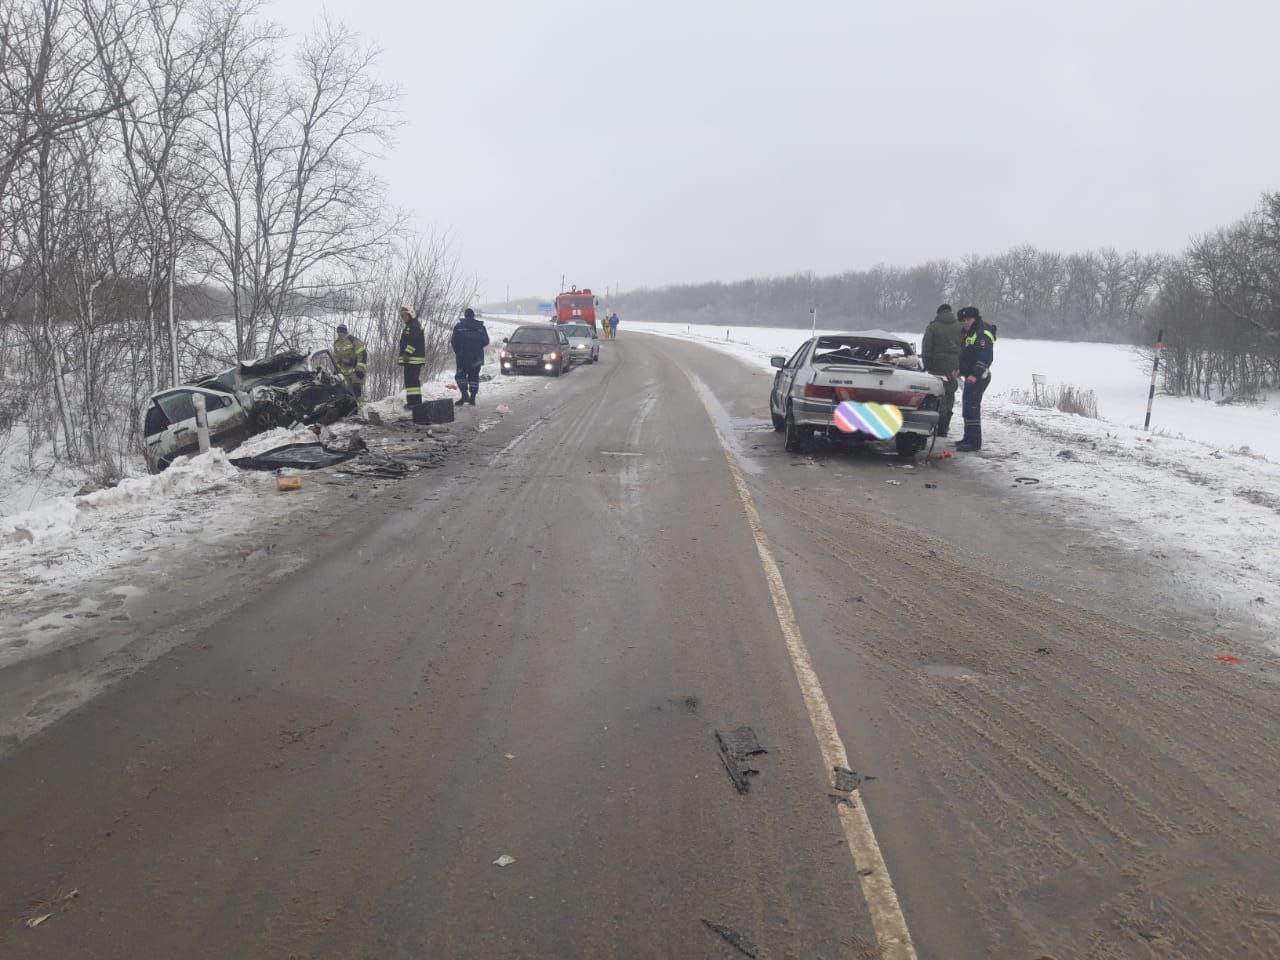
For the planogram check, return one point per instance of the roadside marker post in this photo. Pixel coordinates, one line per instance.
(1155, 368)
(202, 422)
(1037, 381)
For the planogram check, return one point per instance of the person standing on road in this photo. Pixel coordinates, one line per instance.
(412, 356)
(940, 352)
(976, 356)
(352, 358)
(468, 341)
(613, 327)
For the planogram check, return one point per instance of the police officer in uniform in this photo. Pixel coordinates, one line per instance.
(352, 358)
(468, 342)
(976, 356)
(412, 356)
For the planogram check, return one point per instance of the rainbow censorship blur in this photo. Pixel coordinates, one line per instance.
(881, 420)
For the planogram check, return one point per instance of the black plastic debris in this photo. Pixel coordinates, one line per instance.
(737, 747)
(846, 779)
(295, 456)
(733, 938)
(434, 411)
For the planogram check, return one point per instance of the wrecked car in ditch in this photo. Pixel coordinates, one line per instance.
(283, 390)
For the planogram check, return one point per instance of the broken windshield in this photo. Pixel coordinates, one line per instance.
(860, 350)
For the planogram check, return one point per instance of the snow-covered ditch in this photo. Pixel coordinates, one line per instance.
(1199, 494)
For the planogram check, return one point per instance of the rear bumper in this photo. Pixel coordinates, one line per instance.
(817, 415)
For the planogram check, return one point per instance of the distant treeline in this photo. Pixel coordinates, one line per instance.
(1218, 302)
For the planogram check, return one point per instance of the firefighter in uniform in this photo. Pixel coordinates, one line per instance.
(412, 356)
(352, 358)
(976, 356)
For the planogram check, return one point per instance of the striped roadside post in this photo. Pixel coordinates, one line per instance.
(1155, 368)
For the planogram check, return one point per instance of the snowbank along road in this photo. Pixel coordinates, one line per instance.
(480, 719)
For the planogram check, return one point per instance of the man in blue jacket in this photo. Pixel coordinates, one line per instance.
(977, 352)
(468, 341)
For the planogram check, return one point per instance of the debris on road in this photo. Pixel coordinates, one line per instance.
(504, 861)
(284, 484)
(34, 922)
(846, 780)
(1026, 481)
(733, 938)
(1227, 658)
(736, 748)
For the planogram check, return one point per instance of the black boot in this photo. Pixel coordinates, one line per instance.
(472, 399)
(460, 401)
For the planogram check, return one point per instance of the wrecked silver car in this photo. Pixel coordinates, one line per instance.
(281, 391)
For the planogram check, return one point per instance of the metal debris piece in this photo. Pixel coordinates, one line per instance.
(295, 456)
(733, 938)
(36, 921)
(505, 860)
(736, 748)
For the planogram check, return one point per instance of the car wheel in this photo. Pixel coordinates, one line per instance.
(908, 444)
(557, 371)
(793, 442)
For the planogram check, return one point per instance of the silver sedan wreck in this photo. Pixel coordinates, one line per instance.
(868, 367)
(281, 391)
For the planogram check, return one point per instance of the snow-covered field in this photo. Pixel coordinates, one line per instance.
(1199, 494)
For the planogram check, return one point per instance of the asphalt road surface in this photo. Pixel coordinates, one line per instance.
(527, 655)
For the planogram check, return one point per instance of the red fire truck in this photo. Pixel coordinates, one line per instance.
(576, 306)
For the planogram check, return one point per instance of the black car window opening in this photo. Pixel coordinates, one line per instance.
(156, 420)
(534, 336)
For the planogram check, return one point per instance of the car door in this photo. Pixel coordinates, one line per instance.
(565, 350)
(785, 378)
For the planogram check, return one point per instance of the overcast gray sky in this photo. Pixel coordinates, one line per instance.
(655, 141)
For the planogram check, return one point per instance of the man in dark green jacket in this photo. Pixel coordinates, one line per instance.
(940, 352)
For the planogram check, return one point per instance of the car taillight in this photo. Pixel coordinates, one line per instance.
(908, 400)
(816, 391)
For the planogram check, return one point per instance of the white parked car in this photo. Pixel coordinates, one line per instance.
(584, 345)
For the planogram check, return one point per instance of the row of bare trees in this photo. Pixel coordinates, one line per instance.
(1219, 308)
(1101, 295)
(178, 186)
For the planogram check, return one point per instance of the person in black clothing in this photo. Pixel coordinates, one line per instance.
(977, 352)
(412, 355)
(468, 341)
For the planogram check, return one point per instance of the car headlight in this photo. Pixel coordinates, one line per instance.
(548, 356)
(579, 346)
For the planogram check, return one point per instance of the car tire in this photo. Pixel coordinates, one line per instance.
(909, 444)
(795, 435)
(557, 371)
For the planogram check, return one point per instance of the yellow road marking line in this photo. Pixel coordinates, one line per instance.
(877, 886)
